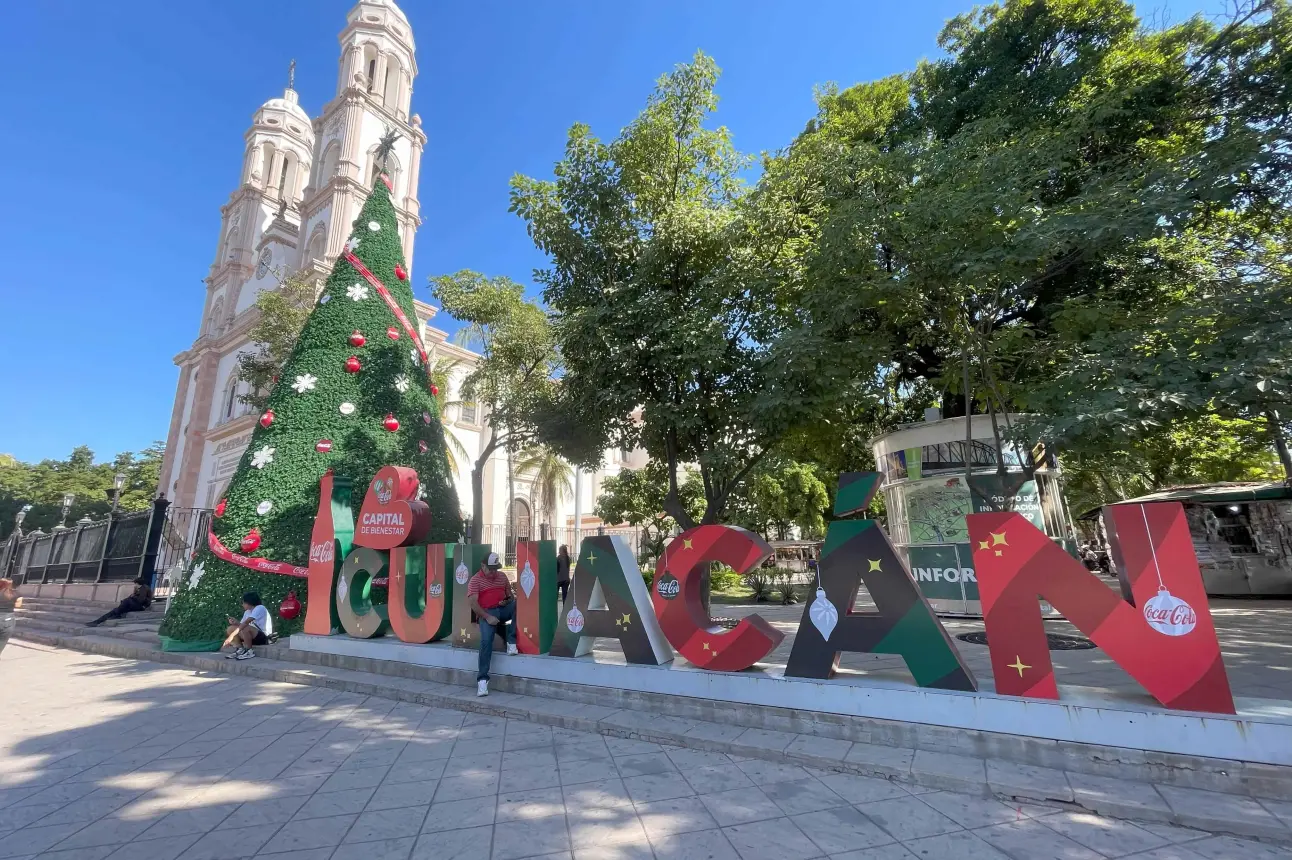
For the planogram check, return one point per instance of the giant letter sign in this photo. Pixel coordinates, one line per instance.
(609, 599)
(857, 551)
(416, 604)
(680, 610)
(329, 543)
(1169, 645)
(467, 559)
(535, 595)
(360, 617)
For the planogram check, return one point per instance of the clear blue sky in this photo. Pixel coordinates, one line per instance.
(125, 138)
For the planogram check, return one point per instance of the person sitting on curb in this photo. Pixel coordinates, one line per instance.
(137, 601)
(255, 628)
(494, 603)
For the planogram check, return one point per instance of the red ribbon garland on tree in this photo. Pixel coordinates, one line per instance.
(388, 299)
(262, 565)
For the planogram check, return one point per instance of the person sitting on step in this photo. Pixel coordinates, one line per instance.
(255, 628)
(137, 601)
(494, 603)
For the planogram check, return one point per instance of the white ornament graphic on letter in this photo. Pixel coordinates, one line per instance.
(1169, 615)
(527, 579)
(341, 589)
(461, 574)
(574, 620)
(823, 615)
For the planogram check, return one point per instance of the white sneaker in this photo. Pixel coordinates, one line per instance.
(245, 655)
(482, 688)
(511, 649)
(233, 655)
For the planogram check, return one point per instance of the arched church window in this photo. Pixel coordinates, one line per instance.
(267, 162)
(330, 158)
(215, 322)
(229, 409)
(317, 242)
(390, 92)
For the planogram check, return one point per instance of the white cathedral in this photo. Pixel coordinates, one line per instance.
(303, 182)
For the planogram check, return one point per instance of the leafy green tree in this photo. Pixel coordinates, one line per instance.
(280, 315)
(43, 484)
(1202, 451)
(353, 396)
(665, 292)
(637, 497)
(513, 378)
(781, 494)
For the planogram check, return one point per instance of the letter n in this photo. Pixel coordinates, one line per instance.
(858, 551)
(535, 595)
(609, 600)
(1017, 563)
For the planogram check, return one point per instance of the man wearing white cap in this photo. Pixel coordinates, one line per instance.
(494, 603)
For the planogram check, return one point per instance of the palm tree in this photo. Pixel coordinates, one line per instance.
(553, 478)
(453, 447)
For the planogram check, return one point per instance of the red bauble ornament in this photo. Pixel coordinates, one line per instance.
(290, 607)
(435, 390)
(392, 333)
(357, 338)
(391, 423)
(352, 364)
(421, 445)
(323, 446)
(219, 509)
(251, 542)
(267, 418)
(400, 273)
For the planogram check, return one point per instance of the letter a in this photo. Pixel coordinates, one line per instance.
(609, 599)
(1168, 645)
(857, 551)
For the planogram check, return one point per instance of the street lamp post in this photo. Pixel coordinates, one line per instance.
(118, 481)
(18, 518)
(68, 500)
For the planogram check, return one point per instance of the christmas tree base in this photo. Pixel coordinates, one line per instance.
(179, 645)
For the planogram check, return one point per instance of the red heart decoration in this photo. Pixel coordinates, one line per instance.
(391, 515)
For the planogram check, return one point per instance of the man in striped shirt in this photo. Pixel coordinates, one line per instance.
(494, 603)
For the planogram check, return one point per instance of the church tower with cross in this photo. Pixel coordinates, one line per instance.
(302, 183)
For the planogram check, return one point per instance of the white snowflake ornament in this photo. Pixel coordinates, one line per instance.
(401, 383)
(196, 574)
(417, 358)
(374, 226)
(357, 292)
(352, 244)
(263, 457)
(305, 382)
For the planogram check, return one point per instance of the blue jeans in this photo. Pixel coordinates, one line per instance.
(504, 613)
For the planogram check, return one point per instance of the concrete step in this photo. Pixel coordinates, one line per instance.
(1235, 812)
(146, 633)
(55, 602)
(75, 615)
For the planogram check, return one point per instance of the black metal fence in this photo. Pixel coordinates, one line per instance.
(117, 549)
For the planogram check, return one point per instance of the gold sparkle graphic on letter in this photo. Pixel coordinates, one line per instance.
(686, 543)
(1019, 665)
(591, 557)
(627, 619)
(998, 539)
(874, 565)
(982, 544)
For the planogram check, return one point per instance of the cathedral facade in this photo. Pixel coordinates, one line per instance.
(303, 181)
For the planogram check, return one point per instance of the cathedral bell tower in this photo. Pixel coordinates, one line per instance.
(374, 89)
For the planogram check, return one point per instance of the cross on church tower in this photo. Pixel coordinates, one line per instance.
(291, 75)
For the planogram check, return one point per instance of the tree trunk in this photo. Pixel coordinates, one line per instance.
(477, 488)
(968, 398)
(1280, 443)
(673, 501)
(509, 540)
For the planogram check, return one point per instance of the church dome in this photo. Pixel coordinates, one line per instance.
(388, 5)
(289, 103)
(285, 114)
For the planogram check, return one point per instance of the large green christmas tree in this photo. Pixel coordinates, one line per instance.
(354, 396)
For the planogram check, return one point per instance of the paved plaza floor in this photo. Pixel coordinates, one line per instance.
(109, 758)
(1255, 639)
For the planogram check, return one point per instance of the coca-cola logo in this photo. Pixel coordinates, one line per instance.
(1169, 615)
(668, 587)
(436, 589)
(323, 552)
(385, 490)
